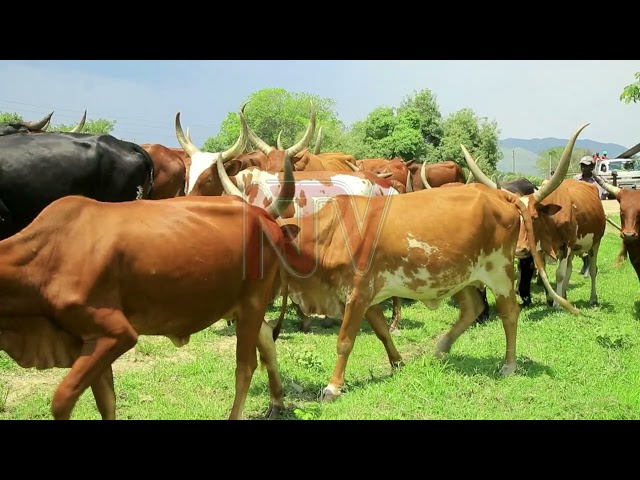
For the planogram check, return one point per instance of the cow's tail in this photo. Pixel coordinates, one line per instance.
(149, 163)
(528, 225)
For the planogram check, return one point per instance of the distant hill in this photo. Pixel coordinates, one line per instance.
(527, 151)
(537, 145)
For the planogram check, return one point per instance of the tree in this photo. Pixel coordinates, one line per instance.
(100, 126)
(554, 154)
(479, 135)
(271, 110)
(631, 92)
(6, 117)
(424, 103)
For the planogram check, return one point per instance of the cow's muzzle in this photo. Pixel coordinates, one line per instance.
(522, 253)
(629, 236)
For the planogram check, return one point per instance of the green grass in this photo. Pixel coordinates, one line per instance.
(569, 367)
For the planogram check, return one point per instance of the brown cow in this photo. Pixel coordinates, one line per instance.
(357, 252)
(85, 279)
(436, 174)
(568, 219)
(169, 171)
(629, 201)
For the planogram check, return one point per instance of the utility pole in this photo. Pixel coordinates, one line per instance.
(513, 155)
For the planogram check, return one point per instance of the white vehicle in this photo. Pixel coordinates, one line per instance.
(622, 171)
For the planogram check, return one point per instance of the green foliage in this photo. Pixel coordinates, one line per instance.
(6, 117)
(100, 126)
(273, 109)
(414, 130)
(479, 135)
(555, 153)
(631, 93)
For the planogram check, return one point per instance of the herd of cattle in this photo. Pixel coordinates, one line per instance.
(103, 240)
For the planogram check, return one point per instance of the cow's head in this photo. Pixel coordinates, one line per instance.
(629, 201)
(203, 175)
(544, 226)
(270, 158)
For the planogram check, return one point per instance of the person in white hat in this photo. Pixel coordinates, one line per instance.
(587, 164)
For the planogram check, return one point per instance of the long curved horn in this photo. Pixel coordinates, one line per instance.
(39, 125)
(279, 141)
(189, 134)
(306, 139)
(612, 189)
(45, 128)
(352, 166)
(409, 185)
(561, 170)
(423, 176)
(255, 139)
(228, 186)
(475, 169)
(316, 147)
(78, 128)
(186, 145)
(470, 178)
(385, 174)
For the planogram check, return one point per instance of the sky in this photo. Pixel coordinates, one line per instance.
(527, 98)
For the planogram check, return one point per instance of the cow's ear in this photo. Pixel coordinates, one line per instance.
(233, 167)
(549, 209)
(290, 231)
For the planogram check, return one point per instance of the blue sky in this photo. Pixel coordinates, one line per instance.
(527, 98)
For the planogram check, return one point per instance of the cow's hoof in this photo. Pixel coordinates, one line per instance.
(442, 348)
(507, 370)
(594, 303)
(395, 332)
(329, 394)
(274, 411)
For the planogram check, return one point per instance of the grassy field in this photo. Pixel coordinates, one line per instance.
(569, 367)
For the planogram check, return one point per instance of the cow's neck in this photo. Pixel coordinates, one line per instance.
(20, 274)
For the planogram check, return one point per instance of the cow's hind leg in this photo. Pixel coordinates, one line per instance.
(105, 395)
(354, 312)
(593, 272)
(268, 357)
(375, 317)
(526, 268)
(484, 315)
(470, 304)
(249, 322)
(99, 351)
(509, 310)
(395, 318)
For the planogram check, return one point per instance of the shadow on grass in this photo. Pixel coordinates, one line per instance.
(490, 366)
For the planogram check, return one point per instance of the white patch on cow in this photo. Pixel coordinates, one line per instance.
(434, 288)
(419, 244)
(200, 161)
(316, 193)
(584, 244)
(139, 191)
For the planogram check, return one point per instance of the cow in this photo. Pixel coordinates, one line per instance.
(568, 219)
(86, 278)
(39, 126)
(169, 169)
(629, 201)
(356, 252)
(257, 187)
(436, 174)
(38, 169)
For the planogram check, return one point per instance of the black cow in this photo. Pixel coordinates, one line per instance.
(35, 170)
